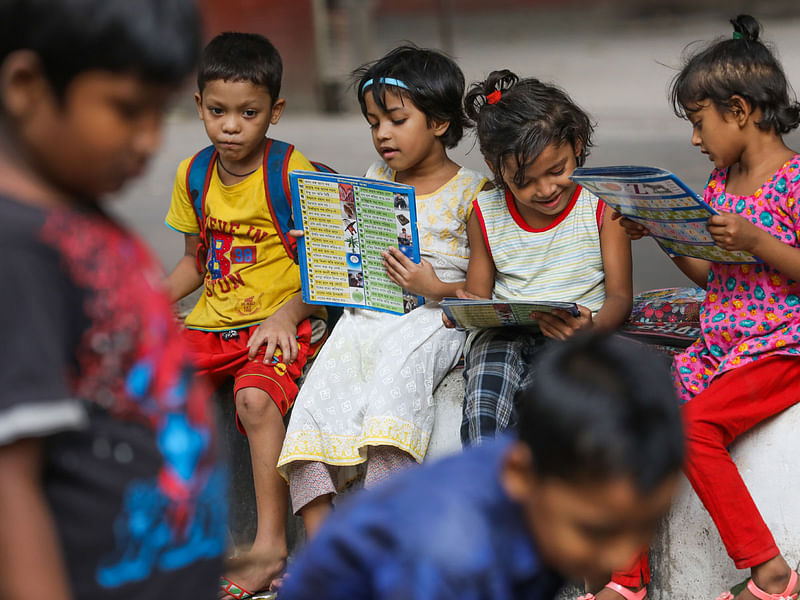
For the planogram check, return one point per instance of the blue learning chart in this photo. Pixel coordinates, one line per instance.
(347, 223)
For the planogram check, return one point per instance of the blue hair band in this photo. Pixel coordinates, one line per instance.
(384, 81)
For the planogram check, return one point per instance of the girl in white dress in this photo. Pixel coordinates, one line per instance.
(369, 396)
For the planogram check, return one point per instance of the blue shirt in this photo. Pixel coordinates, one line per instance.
(447, 530)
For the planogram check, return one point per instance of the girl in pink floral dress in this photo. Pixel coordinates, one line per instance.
(745, 367)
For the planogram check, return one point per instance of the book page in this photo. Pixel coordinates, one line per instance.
(675, 216)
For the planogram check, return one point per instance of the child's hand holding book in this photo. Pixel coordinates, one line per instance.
(417, 278)
(635, 231)
(459, 294)
(733, 232)
(561, 324)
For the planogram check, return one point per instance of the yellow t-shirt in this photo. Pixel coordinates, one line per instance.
(248, 273)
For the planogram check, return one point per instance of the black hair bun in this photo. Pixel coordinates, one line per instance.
(475, 99)
(500, 80)
(747, 27)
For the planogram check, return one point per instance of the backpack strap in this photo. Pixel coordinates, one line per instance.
(276, 184)
(322, 167)
(198, 176)
(276, 189)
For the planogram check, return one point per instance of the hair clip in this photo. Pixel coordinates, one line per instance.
(737, 35)
(494, 97)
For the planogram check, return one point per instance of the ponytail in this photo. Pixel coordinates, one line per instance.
(518, 118)
(490, 91)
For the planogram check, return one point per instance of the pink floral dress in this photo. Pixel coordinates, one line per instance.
(751, 310)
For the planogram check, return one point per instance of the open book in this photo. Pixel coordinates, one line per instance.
(473, 314)
(675, 216)
(348, 221)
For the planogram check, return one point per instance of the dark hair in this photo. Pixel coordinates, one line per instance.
(234, 56)
(528, 117)
(602, 407)
(435, 86)
(158, 40)
(742, 66)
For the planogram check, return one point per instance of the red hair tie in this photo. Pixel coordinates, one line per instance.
(494, 97)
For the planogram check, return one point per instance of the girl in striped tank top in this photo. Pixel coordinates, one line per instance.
(536, 236)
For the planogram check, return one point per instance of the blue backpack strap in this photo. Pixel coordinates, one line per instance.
(198, 175)
(276, 184)
(322, 167)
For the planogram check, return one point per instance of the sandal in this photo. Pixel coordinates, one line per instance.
(234, 590)
(622, 591)
(761, 594)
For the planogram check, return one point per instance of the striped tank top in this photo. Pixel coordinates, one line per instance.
(561, 262)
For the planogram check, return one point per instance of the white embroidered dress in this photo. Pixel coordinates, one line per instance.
(373, 380)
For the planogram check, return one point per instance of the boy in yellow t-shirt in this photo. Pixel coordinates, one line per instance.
(250, 323)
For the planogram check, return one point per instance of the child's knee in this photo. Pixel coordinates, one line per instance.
(699, 430)
(255, 406)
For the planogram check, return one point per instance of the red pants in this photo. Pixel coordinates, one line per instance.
(730, 406)
(222, 356)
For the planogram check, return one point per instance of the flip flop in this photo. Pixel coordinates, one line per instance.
(234, 590)
(761, 594)
(622, 591)
(734, 591)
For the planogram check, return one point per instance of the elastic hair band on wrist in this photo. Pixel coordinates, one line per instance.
(385, 81)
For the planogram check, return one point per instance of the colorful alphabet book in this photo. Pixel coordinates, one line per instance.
(675, 216)
(347, 223)
(472, 314)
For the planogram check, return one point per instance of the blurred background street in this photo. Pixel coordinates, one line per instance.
(615, 58)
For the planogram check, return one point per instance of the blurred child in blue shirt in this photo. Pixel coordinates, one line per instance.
(577, 494)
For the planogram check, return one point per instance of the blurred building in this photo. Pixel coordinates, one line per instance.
(321, 41)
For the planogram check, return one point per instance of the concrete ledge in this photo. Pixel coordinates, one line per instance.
(449, 398)
(688, 559)
(242, 517)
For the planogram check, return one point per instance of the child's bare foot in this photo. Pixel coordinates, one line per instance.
(252, 572)
(276, 584)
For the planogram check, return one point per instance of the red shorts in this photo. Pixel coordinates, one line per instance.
(224, 354)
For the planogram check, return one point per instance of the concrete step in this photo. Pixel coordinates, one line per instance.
(449, 398)
(688, 559)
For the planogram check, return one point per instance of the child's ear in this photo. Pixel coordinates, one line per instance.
(739, 109)
(277, 110)
(198, 100)
(23, 84)
(517, 475)
(491, 167)
(439, 127)
(577, 148)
